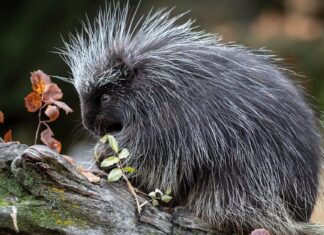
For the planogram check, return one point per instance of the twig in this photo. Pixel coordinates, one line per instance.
(140, 192)
(39, 123)
(131, 189)
(45, 123)
(144, 203)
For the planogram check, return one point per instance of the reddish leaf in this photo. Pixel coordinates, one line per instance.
(33, 101)
(47, 139)
(52, 93)
(56, 145)
(89, 175)
(1, 117)
(52, 112)
(63, 106)
(46, 135)
(7, 137)
(80, 168)
(39, 79)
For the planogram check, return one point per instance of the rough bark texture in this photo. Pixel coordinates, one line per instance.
(52, 197)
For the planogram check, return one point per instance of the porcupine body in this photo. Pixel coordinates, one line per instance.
(221, 125)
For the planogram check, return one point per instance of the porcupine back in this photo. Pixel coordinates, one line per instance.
(220, 124)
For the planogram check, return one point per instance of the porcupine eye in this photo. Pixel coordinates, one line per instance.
(124, 75)
(105, 98)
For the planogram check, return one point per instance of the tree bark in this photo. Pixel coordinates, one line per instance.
(51, 197)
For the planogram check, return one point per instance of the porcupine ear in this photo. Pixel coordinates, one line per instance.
(125, 70)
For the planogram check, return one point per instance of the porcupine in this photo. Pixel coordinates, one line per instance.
(220, 124)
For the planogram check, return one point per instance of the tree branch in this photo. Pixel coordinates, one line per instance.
(51, 197)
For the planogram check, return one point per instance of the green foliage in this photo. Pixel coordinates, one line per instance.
(128, 169)
(109, 161)
(118, 172)
(121, 171)
(104, 139)
(115, 174)
(155, 202)
(168, 191)
(124, 153)
(113, 143)
(158, 195)
(166, 198)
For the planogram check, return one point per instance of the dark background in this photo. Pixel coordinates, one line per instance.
(30, 30)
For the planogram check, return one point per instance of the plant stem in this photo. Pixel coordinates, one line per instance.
(132, 190)
(45, 123)
(140, 192)
(39, 123)
(144, 203)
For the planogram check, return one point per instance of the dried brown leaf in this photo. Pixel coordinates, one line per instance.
(1, 117)
(33, 102)
(52, 112)
(48, 139)
(7, 136)
(52, 93)
(63, 106)
(56, 145)
(80, 168)
(39, 79)
(90, 176)
(46, 136)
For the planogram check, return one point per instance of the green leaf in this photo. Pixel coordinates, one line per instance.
(128, 169)
(113, 143)
(109, 161)
(104, 139)
(124, 153)
(168, 191)
(115, 175)
(155, 202)
(158, 191)
(96, 155)
(152, 195)
(166, 198)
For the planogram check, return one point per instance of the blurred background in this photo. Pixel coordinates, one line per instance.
(30, 30)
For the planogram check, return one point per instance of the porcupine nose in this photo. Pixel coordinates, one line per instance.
(98, 121)
(88, 113)
(88, 119)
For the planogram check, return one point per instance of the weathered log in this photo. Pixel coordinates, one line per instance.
(51, 197)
